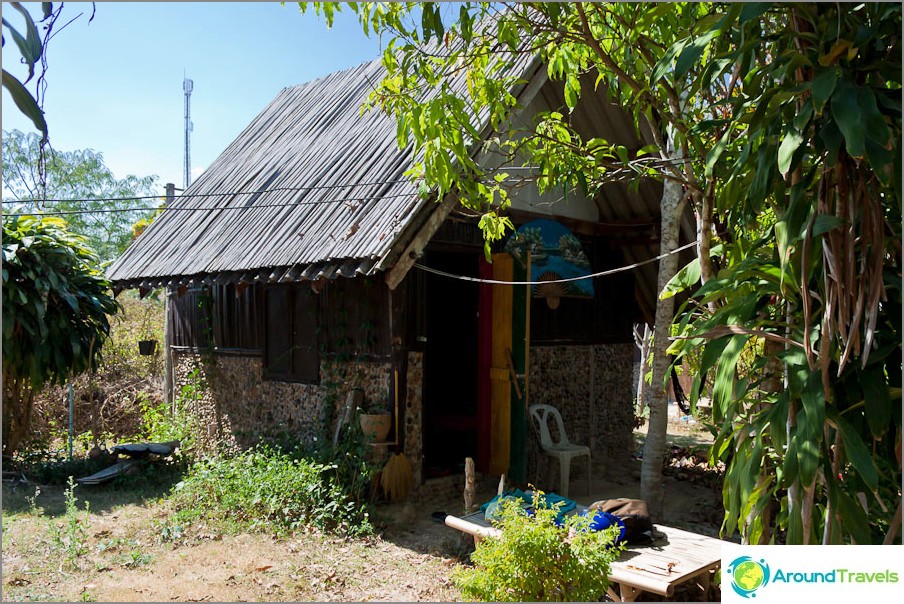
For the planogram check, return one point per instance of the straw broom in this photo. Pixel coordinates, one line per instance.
(397, 477)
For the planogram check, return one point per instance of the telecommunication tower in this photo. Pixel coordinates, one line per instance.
(187, 86)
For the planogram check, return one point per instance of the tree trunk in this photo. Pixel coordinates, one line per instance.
(18, 399)
(651, 488)
(643, 342)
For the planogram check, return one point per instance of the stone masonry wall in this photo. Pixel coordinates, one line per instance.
(414, 404)
(235, 405)
(591, 387)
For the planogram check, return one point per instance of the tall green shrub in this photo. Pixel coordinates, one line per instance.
(55, 306)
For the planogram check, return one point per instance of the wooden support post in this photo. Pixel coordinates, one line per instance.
(470, 485)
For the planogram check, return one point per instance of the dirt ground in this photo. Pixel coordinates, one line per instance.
(412, 559)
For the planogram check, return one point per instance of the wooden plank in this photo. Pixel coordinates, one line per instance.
(415, 248)
(484, 350)
(501, 394)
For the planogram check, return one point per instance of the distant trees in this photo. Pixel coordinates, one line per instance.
(105, 206)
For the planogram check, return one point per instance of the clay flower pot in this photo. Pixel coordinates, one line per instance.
(375, 426)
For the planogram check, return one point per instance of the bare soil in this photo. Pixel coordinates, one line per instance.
(133, 554)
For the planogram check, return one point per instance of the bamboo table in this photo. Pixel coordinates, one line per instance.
(672, 560)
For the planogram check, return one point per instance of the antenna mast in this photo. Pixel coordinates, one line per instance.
(187, 86)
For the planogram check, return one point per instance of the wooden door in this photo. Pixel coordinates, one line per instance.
(495, 400)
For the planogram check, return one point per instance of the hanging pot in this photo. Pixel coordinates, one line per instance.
(147, 347)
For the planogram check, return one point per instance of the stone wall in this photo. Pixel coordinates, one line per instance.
(236, 405)
(591, 386)
(414, 404)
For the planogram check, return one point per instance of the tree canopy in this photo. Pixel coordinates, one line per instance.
(780, 124)
(55, 306)
(95, 203)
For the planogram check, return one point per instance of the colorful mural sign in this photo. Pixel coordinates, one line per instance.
(555, 254)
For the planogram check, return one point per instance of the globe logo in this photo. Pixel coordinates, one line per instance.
(748, 575)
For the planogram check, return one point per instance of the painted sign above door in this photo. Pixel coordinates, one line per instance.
(555, 254)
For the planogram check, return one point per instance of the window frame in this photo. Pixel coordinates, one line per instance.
(300, 304)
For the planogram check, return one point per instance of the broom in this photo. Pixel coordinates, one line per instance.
(397, 476)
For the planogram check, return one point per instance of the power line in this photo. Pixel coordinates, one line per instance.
(569, 280)
(202, 195)
(347, 200)
(614, 175)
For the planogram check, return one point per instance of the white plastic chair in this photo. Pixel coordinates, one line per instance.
(564, 450)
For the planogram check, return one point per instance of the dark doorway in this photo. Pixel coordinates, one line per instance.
(450, 365)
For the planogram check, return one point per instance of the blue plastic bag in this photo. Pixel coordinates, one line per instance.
(603, 520)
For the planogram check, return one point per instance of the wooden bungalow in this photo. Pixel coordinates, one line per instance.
(297, 268)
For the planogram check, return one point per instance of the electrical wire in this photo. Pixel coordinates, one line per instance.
(610, 271)
(201, 195)
(617, 174)
(347, 200)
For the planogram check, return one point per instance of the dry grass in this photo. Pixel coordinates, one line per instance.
(129, 559)
(136, 553)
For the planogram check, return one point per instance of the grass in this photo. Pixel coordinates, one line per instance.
(127, 556)
(268, 489)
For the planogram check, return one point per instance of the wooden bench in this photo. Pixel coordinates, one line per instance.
(673, 560)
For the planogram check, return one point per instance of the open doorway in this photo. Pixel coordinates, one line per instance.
(450, 365)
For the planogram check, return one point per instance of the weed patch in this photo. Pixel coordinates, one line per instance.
(267, 489)
(70, 537)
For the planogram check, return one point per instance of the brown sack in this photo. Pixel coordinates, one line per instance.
(634, 513)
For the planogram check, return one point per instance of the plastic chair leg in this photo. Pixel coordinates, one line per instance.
(564, 476)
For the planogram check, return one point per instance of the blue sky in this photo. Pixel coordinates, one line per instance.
(115, 84)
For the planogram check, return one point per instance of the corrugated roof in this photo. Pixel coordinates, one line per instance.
(337, 199)
(337, 196)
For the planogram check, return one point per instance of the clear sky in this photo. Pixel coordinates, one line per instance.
(115, 84)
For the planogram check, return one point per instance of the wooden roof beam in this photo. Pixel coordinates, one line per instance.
(415, 248)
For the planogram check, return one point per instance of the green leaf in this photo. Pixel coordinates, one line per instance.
(790, 465)
(876, 127)
(807, 459)
(30, 46)
(822, 87)
(831, 138)
(716, 152)
(665, 63)
(855, 521)
(683, 279)
(25, 102)
(882, 161)
(723, 385)
(752, 10)
(691, 53)
(858, 453)
(790, 143)
(846, 113)
(823, 223)
(877, 400)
